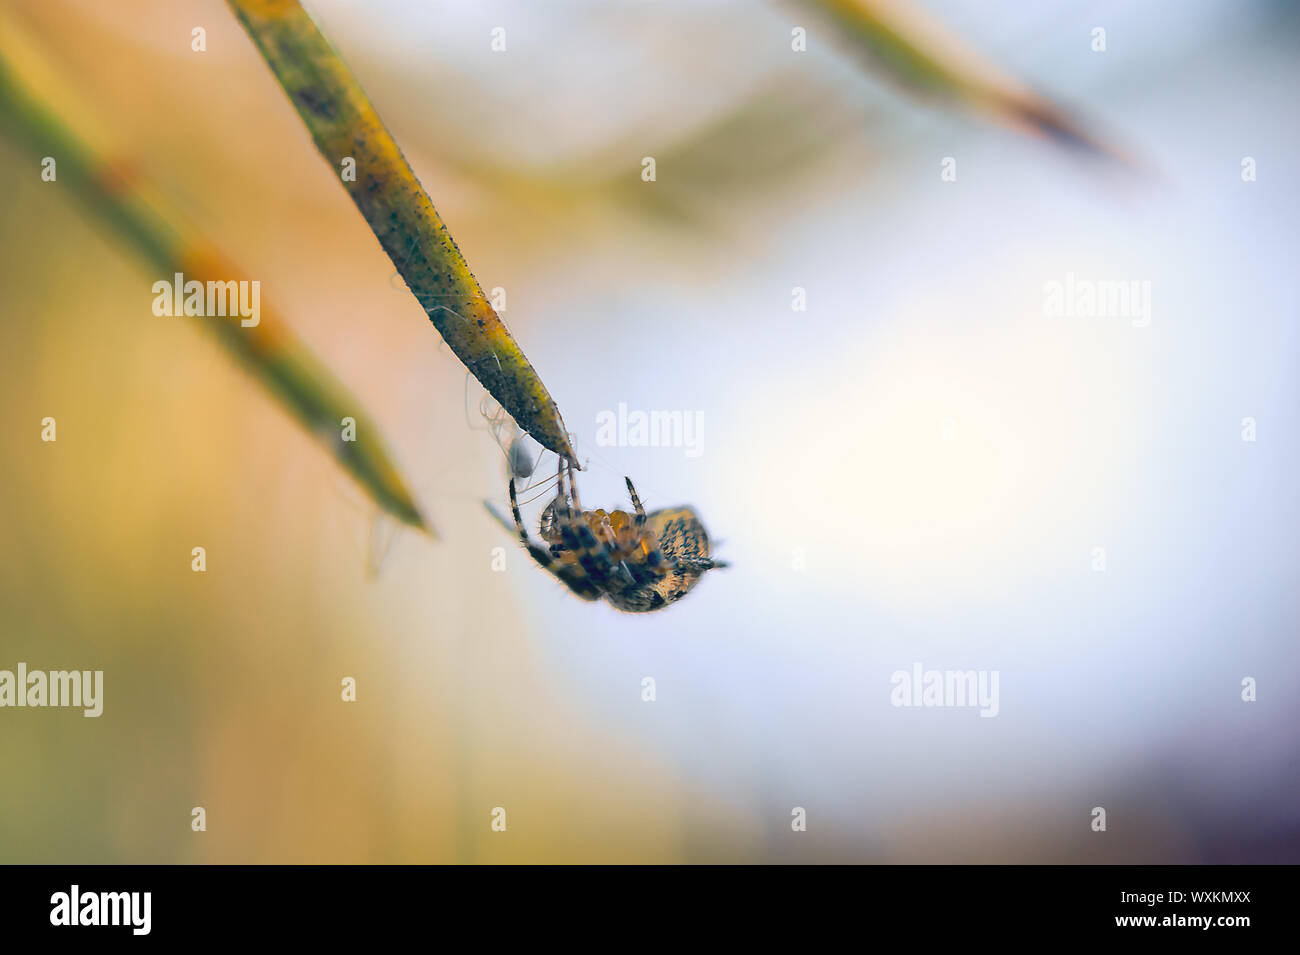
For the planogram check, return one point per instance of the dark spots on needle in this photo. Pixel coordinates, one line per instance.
(316, 105)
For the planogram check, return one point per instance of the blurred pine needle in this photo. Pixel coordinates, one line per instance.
(52, 123)
(918, 53)
(344, 125)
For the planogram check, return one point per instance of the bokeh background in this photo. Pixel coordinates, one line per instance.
(938, 457)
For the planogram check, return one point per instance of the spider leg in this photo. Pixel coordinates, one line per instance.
(698, 564)
(636, 503)
(593, 555)
(600, 561)
(540, 554)
(653, 568)
(567, 575)
(623, 574)
(573, 486)
(499, 518)
(563, 495)
(514, 512)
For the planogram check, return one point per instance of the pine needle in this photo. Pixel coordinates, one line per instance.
(344, 125)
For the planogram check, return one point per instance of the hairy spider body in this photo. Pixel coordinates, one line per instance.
(638, 562)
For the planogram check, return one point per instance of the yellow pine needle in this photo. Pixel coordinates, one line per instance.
(343, 123)
(51, 123)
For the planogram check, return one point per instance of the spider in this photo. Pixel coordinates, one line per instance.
(638, 562)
